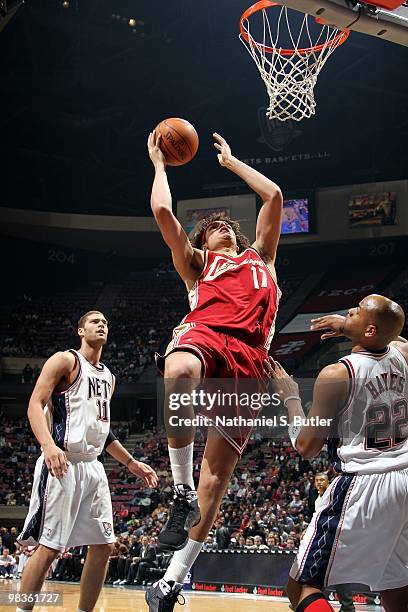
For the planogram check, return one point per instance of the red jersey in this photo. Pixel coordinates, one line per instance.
(236, 295)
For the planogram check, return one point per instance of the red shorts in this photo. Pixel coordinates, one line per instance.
(221, 356)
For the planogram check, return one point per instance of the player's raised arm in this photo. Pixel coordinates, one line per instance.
(329, 396)
(188, 261)
(58, 367)
(268, 226)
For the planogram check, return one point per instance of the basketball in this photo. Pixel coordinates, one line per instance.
(179, 141)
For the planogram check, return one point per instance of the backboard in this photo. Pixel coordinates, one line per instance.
(363, 17)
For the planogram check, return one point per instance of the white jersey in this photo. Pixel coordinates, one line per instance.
(373, 426)
(79, 418)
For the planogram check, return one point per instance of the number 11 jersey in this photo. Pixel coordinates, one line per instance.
(79, 418)
(236, 295)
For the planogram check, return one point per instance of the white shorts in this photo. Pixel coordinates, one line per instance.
(360, 534)
(73, 511)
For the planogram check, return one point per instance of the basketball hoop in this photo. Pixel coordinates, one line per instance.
(290, 74)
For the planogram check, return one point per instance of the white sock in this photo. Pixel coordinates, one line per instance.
(22, 610)
(181, 461)
(182, 561)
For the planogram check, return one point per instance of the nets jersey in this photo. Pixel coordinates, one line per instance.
(79, 418)
(236, 295)
(373, 426)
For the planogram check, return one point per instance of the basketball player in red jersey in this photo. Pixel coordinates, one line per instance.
(234, 297)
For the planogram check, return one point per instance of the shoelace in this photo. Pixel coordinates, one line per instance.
(177, 517)
(170, 599)
(176, 597)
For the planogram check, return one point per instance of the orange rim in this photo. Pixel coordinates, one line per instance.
(263, 4)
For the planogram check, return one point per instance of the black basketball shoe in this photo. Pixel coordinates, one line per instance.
(162, 596)
(184, 515)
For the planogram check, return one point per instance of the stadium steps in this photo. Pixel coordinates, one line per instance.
(297, 298)
(107, 298)
(130, 443)
(394, 287)
(326, 355)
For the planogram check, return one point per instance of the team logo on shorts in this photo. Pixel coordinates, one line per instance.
(107, 528)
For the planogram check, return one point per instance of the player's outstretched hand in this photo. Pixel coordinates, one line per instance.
(281, 381)
(224, 156)
(56, 460)
(333, 322)
(153, 146)
(145, 472)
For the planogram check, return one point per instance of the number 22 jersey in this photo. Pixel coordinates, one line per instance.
(373, 425)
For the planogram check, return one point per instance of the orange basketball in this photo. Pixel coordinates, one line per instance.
(179, 141)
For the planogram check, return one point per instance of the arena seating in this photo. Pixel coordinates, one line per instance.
(262, 490)
(401, 296)
(141, 319)
(38, 326)
(338, 291)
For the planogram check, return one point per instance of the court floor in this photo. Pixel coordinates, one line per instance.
(112, 599)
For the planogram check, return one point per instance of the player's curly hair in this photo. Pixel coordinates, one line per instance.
(197, 235)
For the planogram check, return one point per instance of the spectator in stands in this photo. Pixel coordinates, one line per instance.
(239, 543)
(286, 521)
(290, 544)
(125, 561)
(253, 529)
(9, 539)
(147, 555)
(27, 374)
(123, 512)
(70, 564)
(296, 502)
(25, 554)
(258, 544)
(7, 564)
(11, 498)
(321, 483)
(120, 549)
(301, 524)
(63, 570)
(272, 542)
(210, 544)
(222, 534)
(78, 559)
(148, 558)
(273, 492)
(36, 372)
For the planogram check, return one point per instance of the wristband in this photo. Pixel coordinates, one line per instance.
(291, 397)
(129, 460)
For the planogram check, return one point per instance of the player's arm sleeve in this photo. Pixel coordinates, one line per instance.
(329, 395)
(111, 438)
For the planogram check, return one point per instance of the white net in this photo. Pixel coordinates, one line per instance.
(290, 75)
